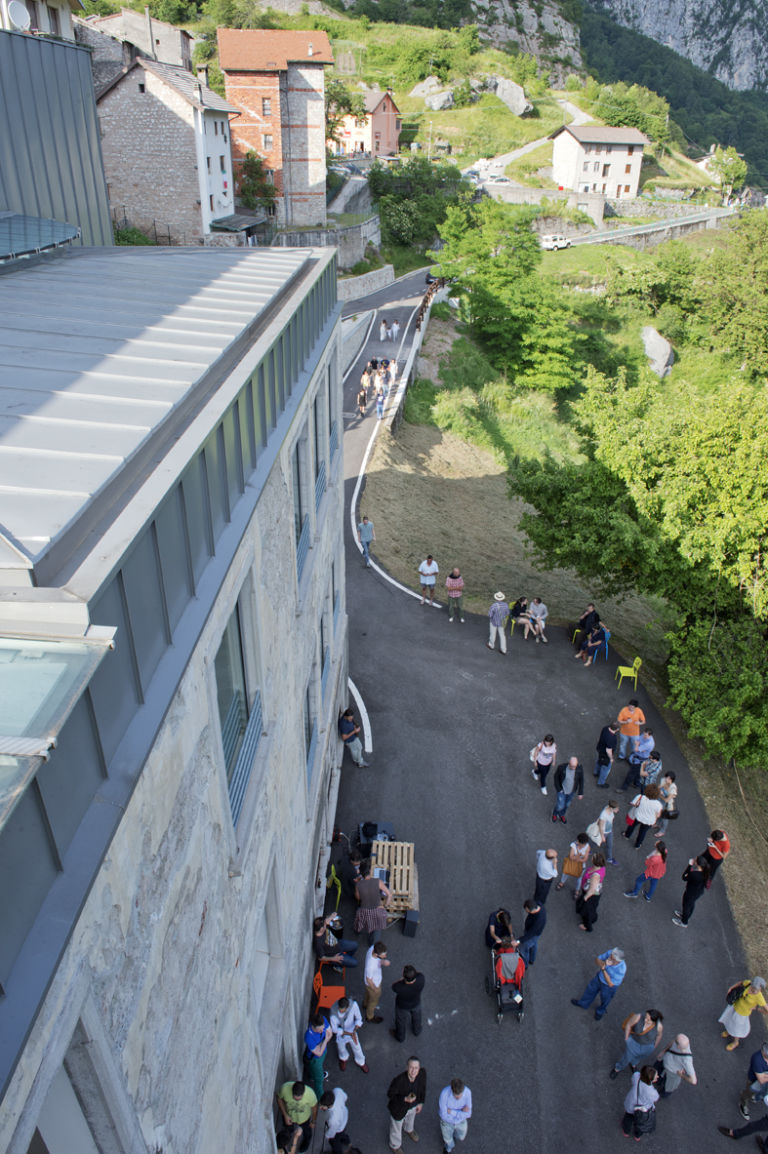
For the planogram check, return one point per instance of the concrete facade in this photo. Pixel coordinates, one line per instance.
(167, 155)
(378, 133)
(593, 159)
(179, 999)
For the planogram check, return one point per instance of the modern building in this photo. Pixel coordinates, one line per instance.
(172, 662)
(50, 152)
(376, 134)
(593, 158)
(277, 82)
(45, 17)
(165, 138)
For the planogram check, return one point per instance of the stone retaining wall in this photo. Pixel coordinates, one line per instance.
(353, 287)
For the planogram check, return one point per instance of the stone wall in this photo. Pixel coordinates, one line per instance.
(150, 159)
(350, 242)
(303, 112)
(354, 287)
(353, 333)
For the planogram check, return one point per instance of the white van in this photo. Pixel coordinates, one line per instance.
(554, 240)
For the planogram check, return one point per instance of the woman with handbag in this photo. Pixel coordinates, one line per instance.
(742, 999)
(642, 1034)
(644, 812)
(640, 1105)
(589, 890)
(670, 812)
(573, 864)
(695, 876)
(653, 872)
(543, 757)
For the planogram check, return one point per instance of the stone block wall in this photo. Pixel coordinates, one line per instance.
(303, 113)
(150, 158)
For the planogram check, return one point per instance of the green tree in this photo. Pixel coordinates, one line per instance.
(730, 170)
(340, 102)
(255, 189)
(736, 293)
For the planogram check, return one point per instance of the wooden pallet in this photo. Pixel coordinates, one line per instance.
(397, 857)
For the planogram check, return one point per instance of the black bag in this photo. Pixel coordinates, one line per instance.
(603, 759)
(671, 814)
(733, 995)
(645, 1121)
(661, 1081)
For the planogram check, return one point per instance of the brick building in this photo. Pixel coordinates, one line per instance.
(167, 153)
(378, 133)
(276, 80)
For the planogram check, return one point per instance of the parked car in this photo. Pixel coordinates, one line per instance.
(473, 175)
(554, 240)
(498, 180)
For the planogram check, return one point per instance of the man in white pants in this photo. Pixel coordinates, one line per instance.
(346, 1020)
(497, 616)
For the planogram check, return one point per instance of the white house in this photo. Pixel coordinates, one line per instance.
(596, 158)
(172, 664)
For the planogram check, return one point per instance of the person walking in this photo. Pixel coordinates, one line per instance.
(454, 584)
(454, 1108)
(348, 732)
(695, 876)
(601, 831)
(382, 330)
(408, 1003)
(642, 1034)
(405, 1097)
(640, 1104)
(575, 860)
(653, 871)
(668, 791)
(389, 332)
(428, 572)
(316, 1038)
(497, 618)
(546, 872)
(543, 756)
(676, 1063)
(747, 996)
(371, 914)
(756, 1087)
(535, 921)
(645, 811)
(630, 719)
(611, 972)
(366, 535)
(569, 783)
(375, 960)
(606, 751)
(395, 328)
(362, 400)
(334, 1116)
(346, 1021)
(297, 1103)
(379, 403)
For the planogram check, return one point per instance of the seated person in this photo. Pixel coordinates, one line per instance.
(537, 620)
(328, 948)
(519, 611)
(499, 929)
(591, 645)
(586, 623)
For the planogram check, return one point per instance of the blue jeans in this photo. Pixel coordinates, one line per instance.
(626, 743)
(602, 771)
(347, 951)
(562, 803)
(528, 950)
(652, 883)
(451, 1133)
(634, 1052)
(608, 847)
(594, 988)
(366, 546)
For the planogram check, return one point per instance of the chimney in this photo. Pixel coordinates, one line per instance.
(309, 50)
(198, 93)
(150, 34)
(202, 74)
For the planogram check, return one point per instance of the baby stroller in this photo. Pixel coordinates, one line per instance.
(506, 981)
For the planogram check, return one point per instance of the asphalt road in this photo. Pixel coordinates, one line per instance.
(452, 724)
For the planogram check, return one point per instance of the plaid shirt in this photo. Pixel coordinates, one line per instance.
(498, 614)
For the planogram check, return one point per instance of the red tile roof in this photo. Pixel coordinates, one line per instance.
(262, 50)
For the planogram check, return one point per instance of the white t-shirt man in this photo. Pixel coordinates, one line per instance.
(372, 968)
(428, 571)
(335, 1118)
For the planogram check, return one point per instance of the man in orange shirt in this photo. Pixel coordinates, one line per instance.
(630, 719)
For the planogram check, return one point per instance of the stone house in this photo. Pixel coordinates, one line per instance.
(116, 41)
(276, 80)
(167, 151)
(378, 134)
(594, 158)
(172, 663)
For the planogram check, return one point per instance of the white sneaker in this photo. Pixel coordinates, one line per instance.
(450, 621)
(534, 775)
(462, 620)
(544, 790)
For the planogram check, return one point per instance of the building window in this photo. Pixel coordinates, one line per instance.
(266, 106)
(596, 166)
(239, 712)
(627, 169)
(215, 128)
(318, 430)
(55, 21)
(626, 189)
(142, 88)
(267, 141)
(223, 165)
(585, 166)
(208, 162)
(630, 150)
(300, 515)
(210, 202)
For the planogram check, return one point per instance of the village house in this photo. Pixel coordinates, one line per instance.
(167, 152)
(47, 17)
(598, 159)
(276, 80)
(116, 41)
(377, 134)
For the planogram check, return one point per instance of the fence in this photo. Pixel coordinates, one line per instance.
(394, 413)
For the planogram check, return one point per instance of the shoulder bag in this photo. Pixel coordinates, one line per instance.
(572, 867)
(593, 833)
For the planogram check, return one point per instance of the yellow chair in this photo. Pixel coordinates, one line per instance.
(576, 633)
(629, 671)
(334, 880)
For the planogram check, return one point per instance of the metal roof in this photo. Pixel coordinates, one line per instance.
(603, 134)
(21, 235)
(102, 352)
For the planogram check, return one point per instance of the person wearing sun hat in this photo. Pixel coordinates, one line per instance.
(498, 615)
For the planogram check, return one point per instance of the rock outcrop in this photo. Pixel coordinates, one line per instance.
(538, 28)
(658, 351)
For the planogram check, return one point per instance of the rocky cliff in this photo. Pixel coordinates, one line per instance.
(539, 27)
(724, 37)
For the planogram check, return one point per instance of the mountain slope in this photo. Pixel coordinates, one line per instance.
(724, 37)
